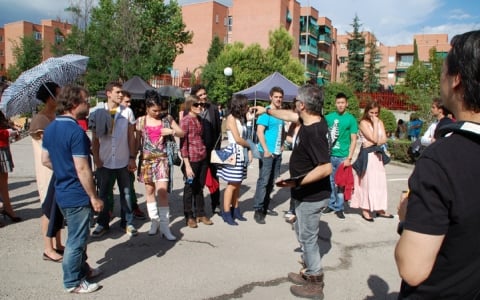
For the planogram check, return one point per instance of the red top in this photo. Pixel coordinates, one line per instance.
(192, 146)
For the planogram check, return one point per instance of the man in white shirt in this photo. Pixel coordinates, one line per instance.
(438, 112)
(114, 153)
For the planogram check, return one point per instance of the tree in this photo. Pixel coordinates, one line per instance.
(215, 49)
(27, 54)
(372, 68)
(128, 37)
(331, 90)
(422, 82)
(415, 51)
(356, 56)
(250, 65)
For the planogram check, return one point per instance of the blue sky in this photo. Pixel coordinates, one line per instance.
(392, 21)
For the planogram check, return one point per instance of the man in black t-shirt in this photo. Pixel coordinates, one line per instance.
(438, 254)
(310, 166)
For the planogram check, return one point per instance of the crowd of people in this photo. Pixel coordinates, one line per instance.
(438, 215)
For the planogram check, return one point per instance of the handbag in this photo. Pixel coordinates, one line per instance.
(172, 148)
(224, 156)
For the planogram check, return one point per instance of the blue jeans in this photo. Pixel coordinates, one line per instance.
(307, 228)
(269, 170)
(336, 198)
(105, 177)
(75, 267)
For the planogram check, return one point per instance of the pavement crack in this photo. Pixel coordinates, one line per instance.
(199, 242)
(247, 288)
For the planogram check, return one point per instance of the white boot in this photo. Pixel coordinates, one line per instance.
(153, 214)
(164, 222)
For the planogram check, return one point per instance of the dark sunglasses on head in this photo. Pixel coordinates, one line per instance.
(198, 104)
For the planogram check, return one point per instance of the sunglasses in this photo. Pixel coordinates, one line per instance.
(198, 104)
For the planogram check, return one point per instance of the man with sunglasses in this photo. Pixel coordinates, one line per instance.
(212, 130)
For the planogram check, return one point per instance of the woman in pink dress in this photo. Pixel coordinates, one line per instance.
(370, 192)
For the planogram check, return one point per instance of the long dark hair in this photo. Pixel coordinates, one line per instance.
(239, 107)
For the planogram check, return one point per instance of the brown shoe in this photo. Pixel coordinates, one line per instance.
(204, 220)
(313, 288)
(192, 223)
(297, 278)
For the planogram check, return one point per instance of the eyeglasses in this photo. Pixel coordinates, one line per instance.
(198, 104)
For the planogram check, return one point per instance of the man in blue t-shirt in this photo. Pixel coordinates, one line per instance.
(270, 132)
(66, 150)
(343, 132)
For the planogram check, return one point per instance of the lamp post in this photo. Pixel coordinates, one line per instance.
(228, 72)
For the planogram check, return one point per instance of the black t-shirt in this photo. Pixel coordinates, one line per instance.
(444, 200)
(310, 150)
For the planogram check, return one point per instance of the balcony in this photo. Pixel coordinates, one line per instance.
(324, 56)
(324, 38)
(305, 49)
(404, 65)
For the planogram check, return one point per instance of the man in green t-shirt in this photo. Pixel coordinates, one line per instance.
(343, 130)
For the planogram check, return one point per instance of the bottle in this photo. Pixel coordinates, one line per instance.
(189, 180)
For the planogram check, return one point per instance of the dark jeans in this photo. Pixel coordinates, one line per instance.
(194, 191)
(269, 170)
(215, 196)
(105, 177)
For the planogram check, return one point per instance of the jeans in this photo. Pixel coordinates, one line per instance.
(105, 177)
(75, 267)
(195, 191)
(307, 227)
(336, 198)
(269, 170)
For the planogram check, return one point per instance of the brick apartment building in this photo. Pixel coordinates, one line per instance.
(250, 21)
(394, 60)
(48, 32)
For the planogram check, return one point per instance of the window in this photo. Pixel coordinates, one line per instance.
(1, 67)
(59, 39)
(37, 35)
(216, 19)
(230, 23)
(391, 59)
(343, 59)
(343, 46)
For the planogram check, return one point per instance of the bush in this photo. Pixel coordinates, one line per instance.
(389, 121)
(399, 150)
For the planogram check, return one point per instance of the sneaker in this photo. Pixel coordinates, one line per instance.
(93, 272)
(138, 214)
(340, 214)
(326, 210)
(99, 231)
(131, 231)
(259, 217)
(85, 287)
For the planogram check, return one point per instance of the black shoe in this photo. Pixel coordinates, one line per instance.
(326, 210)
(259, 217)
(340, 215)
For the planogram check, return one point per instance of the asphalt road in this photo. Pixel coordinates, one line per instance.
(248, 261)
